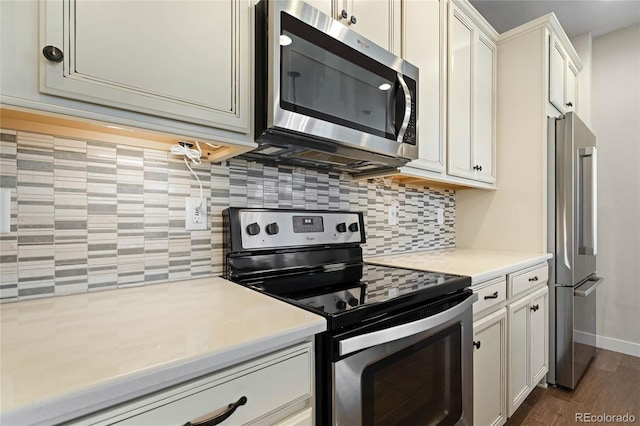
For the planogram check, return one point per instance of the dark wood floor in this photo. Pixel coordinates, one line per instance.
(611, 386)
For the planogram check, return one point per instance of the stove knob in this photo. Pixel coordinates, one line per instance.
(353, 227)
(342, 227)
(272, 228)
(341, 305)
(253, 229)
(353, 302)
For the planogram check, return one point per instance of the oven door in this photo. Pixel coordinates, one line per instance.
(329, 82)
(411, 373)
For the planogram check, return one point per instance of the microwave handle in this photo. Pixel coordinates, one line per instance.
(407, 108)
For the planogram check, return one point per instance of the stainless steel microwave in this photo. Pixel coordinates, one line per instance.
(326, 97)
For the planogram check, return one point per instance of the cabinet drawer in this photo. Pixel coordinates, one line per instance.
(490, 294)
(268, 384)
(527, 279)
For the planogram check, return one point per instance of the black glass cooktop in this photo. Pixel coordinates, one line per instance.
(349, 293)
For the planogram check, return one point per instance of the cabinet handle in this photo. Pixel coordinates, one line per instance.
(478, 168)
(217, 417)
(569, 104)
(493, 296)
(344, 14)
(533, 279)
(353, 20)
(535, 308)
(477, 344)
(52, 53)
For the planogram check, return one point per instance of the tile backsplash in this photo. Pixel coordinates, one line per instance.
(89, 215)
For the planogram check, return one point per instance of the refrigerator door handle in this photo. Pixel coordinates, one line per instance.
(588, 287)
(588, 247)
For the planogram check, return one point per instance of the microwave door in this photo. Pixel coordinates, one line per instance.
(324, 87)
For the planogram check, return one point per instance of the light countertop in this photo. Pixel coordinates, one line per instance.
(480, 265)
(67, 356)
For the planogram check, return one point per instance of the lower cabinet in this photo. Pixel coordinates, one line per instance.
(511, 342)
(272, 390)
(528, 345)
(490, 369)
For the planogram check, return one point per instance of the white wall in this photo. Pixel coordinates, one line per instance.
(615, 117)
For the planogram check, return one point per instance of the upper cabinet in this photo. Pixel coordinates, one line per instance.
(176, 60)
(423, 44)
(563, 76)
(454, 48)
(377, 20)
(471, 107)
(171, 67)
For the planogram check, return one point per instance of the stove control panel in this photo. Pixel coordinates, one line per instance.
(335, 302)
(263, 229)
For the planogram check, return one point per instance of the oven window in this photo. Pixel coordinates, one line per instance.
(321, 77)
(419, 385)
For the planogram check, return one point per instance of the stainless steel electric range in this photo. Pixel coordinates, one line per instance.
(398, 345)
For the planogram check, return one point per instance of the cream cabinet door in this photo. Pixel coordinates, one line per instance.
(519, 383)
(422, 45)
(539, 311)
(571, 87)
(187, 61)
(377, 20)
(471, 103)
(484, 110)
(461, 40)
(490, 369)
(557, 57)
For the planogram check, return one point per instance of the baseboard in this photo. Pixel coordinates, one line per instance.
(609, 343)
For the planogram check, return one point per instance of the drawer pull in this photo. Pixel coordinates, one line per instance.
(493, 296)
(534, 278)
(217, 417)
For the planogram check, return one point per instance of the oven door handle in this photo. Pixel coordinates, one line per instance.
(357, 343)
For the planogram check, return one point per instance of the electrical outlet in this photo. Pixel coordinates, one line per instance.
(195, 214)
(392, 218)
(440, 216)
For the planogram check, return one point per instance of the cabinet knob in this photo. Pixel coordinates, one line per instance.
(534, 308)
(477, 167)
(477, 344)
(353, 20)
(569, 104)
(344, 14)
(53, 54)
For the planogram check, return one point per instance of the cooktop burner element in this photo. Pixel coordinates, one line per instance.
(313, 259)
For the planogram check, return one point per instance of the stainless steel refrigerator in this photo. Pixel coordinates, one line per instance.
(572, 237)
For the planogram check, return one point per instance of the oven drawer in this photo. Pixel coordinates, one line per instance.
(261, 386)
(490, 294)
(523, 281)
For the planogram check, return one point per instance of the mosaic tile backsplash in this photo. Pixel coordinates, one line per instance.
(89, 215)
